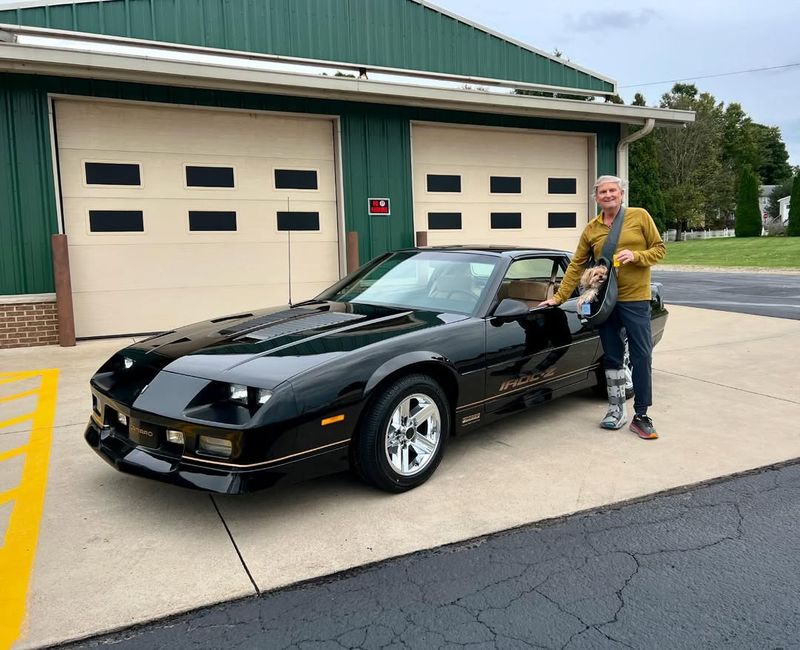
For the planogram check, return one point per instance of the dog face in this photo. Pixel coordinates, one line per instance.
(591, 281)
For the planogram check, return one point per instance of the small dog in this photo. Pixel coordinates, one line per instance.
(591, 281)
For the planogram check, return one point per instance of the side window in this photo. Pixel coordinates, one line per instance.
(531, 280)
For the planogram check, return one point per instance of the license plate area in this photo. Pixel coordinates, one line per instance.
(144, 433)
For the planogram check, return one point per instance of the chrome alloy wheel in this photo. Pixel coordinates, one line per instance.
(413, 434)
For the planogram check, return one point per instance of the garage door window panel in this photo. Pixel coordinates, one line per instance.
(210, 177)
(296, 179)
(307, 221)
(111, 221)
(448, 183)
(506, 220)
(562, 219)
(562, 185)
(505, 185)
(114, 174)
(212, 221)
(444, 221)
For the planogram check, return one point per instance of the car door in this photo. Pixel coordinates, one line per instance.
(543, 351)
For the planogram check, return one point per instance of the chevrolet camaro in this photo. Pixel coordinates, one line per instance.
(374, 374)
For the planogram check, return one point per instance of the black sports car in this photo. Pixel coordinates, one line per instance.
(374, 374)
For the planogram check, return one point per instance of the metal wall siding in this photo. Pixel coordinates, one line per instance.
(376, 160)
(27, 206)
(393, 33)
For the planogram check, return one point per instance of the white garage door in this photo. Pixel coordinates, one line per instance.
(176, 215)
(501, 186)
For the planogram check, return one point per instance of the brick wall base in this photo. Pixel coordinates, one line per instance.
(25, 324)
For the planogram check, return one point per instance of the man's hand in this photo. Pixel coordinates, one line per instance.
(550, 302)
(625, 256)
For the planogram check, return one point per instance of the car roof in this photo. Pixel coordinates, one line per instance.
(495, 250)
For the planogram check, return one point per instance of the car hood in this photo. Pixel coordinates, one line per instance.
(267, 347)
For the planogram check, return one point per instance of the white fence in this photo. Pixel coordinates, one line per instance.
(671, 235)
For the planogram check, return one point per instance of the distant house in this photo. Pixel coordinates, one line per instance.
(783, 209)
(764, 193)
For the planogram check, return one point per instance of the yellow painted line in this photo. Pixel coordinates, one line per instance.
(11, 398)
(17, 420)
(11, 453)
(8, 495)
(22, 534)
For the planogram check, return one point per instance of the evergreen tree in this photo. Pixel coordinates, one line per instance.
(793, 229)
(748, 216)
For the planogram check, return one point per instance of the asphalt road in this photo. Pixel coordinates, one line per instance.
(716, 566)
(763, 294)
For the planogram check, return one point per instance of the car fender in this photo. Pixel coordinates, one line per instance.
(406, 360)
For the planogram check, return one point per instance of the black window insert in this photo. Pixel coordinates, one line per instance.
(506, 220)
(98, 173)
(562, 186)
(116, 221)
(562, 219)
(444, 183)
(197, 176)
(213, 221)
(505, 185)
(295, 179)
(444, 221)
(298, 220)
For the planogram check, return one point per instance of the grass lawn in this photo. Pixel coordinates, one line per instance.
(764, 252)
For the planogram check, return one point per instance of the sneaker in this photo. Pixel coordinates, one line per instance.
(643, 427)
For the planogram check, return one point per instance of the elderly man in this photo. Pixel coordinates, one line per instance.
(639, 247)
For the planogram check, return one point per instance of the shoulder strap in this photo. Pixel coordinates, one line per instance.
(613, 237)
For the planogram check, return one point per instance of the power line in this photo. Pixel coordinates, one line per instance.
(712, 76)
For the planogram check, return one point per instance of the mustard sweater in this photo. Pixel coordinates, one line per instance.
(639, 235)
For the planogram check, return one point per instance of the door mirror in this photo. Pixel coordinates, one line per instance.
(510, 309)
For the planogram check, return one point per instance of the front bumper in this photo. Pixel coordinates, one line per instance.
(123, 454)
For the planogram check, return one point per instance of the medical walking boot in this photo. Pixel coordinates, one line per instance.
(616, 417)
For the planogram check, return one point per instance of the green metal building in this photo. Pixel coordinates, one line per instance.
(200, 155)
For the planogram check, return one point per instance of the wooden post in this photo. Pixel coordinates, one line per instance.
(352, 251)
(422, 238)
(66, 315)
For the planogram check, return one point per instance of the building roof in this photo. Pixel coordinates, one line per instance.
(400, 34)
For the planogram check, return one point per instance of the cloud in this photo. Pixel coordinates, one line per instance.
(592, 21)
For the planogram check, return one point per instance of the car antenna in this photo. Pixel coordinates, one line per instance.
(289, 244)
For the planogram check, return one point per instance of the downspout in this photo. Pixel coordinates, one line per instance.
(622, 147)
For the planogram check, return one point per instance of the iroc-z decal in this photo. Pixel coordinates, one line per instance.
(527, 378)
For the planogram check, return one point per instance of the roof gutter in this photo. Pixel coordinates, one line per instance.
(624, 144)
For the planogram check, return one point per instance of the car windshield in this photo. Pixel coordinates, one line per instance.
(434, 280)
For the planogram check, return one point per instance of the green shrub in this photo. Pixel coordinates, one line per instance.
(748, 216)
(793, 229)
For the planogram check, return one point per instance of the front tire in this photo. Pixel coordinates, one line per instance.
(403, 434)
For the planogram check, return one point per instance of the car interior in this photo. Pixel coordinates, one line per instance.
(531, 280)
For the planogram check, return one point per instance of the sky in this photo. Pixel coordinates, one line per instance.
(638, 43)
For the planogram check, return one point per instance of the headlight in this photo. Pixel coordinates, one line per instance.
(238, 393)
(247, 396)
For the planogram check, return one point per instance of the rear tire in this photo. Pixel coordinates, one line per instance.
(403, 434)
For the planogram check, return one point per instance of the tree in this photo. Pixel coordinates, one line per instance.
(697, 188)
(645, 182)
(748, 216)
(793, 229)
(774, 166)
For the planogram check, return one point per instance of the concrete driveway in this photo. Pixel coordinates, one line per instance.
(115, 550)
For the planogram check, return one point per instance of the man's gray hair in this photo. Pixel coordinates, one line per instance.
(608, 179)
